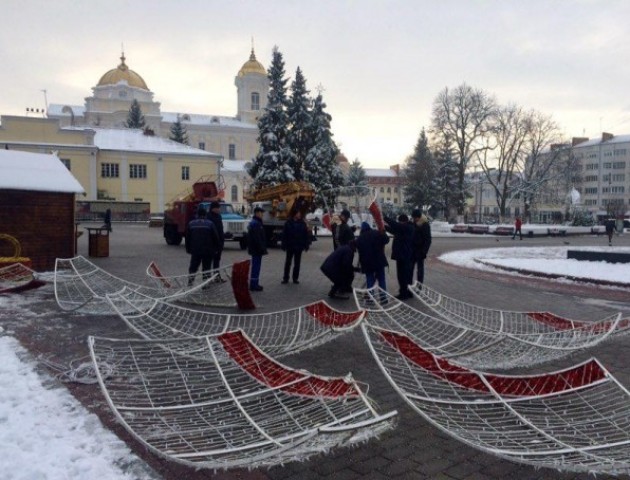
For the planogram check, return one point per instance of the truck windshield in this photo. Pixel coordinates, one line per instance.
(225, 207)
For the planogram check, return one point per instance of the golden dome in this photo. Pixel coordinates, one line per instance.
(252, 66)
(122, 72)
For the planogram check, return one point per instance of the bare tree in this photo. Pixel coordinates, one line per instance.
(549, 164)
(501, 164)
(463, 116)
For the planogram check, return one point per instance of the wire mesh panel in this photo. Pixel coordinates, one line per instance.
(17, 277)
(220, 287)
(220, 402)
(477, 348)
(493, 320)
(277, 333)
(82, 286)
(574, 419)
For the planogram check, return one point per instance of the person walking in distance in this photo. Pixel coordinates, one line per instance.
(402, 252)
(421, 241)
(256, 247)
(215, 217)
(344, 233)
(108, 220)
(518, 223)
(610, 228)
(202, 242)
(295, 240)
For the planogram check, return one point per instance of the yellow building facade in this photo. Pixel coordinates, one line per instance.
(114, 164)
(232, 137)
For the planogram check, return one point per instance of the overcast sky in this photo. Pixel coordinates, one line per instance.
(381, 63)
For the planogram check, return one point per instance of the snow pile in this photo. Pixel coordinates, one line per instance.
(45, 433)
(544, 260)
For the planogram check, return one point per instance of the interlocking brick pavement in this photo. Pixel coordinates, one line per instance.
(413, 450)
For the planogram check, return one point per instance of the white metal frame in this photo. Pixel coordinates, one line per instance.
(574, 419)
(219, 402)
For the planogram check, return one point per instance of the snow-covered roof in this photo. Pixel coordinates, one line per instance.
(36, 171)
(380, 172)
(597, 141)
(203, 119)
(56, 110)
(234, 165)
(135, 140)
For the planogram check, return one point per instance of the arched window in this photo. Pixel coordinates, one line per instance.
(234, 193)
(255, 101)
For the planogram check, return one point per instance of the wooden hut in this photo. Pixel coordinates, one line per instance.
(37, 201)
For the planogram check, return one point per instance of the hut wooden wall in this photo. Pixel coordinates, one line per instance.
(43, 222)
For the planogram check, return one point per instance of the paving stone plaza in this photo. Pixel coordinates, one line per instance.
(414, 449)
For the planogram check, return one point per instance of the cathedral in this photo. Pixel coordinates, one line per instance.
(233, 138)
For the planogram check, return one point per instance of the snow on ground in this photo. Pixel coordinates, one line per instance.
(545, 260)
(46, 434)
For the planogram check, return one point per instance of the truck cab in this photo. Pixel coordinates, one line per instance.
(234, 225)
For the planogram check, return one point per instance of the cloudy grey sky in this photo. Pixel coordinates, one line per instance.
(381, 63)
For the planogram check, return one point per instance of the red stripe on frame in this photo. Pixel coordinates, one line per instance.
(275, 375)
(509, 386)
(331, 317)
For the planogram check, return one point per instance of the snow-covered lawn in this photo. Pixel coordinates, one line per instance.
(46, 434)
(545, 260)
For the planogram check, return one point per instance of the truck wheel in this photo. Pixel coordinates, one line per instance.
(172, 237)
(242, 243)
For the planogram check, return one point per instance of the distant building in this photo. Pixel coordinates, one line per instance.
(236, 183)
(599, 172)
(234, 138)
(114, 164)
(387, 185)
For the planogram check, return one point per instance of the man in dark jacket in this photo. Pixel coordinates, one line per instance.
(256, 247)
(339, 269)
(344, 233)
(421, 242)
(371, 247)
(295, 240)
(402, 252)
(611, 227)
(215, 217)
(202, 241)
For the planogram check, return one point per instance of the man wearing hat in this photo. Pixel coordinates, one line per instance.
(344, 232)
(215, 217)
(421, 242)
(256, 247)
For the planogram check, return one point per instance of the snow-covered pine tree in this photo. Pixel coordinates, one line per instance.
(356, 175)
(273, 163)
(320, 166)
(178, 132)
(300, 137)
(135, 119)
(419, 175)
(446, 180)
